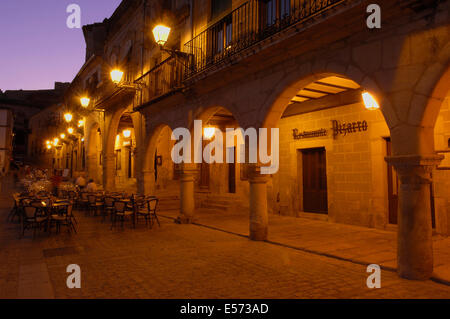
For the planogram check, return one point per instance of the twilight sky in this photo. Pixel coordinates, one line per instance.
(37, 48)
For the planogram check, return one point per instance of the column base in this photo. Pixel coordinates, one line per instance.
(258, 234)
(182, 220)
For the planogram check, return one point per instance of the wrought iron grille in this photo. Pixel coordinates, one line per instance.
(248, 24)
(162, 79)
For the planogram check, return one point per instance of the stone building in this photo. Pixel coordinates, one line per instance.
(297, 65)
(24, 104)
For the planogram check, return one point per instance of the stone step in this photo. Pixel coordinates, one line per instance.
(221, 202)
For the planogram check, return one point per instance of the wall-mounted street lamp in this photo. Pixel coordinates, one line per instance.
(70, 130)
(85, 101)
(117, 79)
(209, 132)
(80, 123)
(68, 117)
(126, 133)
(62, 136)
(116, 76)
(161, 34)
(369, 101)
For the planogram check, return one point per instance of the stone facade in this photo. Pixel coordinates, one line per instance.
(404, 65)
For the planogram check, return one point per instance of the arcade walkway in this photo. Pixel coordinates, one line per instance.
(346, 242)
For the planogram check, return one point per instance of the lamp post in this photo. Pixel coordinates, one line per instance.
(161, 34)
(117, 79)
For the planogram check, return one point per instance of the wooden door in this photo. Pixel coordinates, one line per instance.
(204, 171)
(232, 171)
(392, 187)
(315, 181)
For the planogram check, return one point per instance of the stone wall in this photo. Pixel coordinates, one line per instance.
(357, 190)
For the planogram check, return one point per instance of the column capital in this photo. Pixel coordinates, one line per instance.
(109, 157)
(255, 176)
(414, 160)
(414, 169)
(188, 168)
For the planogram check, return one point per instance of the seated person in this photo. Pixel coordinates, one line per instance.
(80, 182)
(91, 186)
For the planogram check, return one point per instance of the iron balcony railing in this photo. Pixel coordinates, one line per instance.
(162, 79)
(250, 23)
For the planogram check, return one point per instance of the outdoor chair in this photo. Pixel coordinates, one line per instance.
(83, 202)
(15, 211)
(152, 204)
(93, 204)
(120, 212)
(148, 211)
(63, 217)
(108, 207)
(32, 219)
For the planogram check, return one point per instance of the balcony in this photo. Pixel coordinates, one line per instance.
(245, 26)
(162, 80)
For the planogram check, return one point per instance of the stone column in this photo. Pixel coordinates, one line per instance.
(109, 172)
(258, 204)
(414, 241)
(92, 167)
(187, 201)
(148, 182)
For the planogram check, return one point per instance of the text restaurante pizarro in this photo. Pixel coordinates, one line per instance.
(337, 127)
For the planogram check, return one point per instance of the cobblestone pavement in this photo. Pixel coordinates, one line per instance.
(353, 243)
(180, 261)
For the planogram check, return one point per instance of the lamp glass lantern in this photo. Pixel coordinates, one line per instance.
(161, 34)
(116, 76)
(209, 132)
(369, 101)
(68, 117)
(126, 133)
(85, 101)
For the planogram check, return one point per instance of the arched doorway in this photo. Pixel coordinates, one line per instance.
(160, 174)
(125, 155)
(220, 185)
(333, 151)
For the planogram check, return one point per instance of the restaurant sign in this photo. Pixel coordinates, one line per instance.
(338, 128)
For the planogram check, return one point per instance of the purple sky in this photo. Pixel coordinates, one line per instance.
(37, 48)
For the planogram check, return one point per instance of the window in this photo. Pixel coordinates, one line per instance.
(218, 7)
(221, 35)
(285, 8)
(271, 12)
